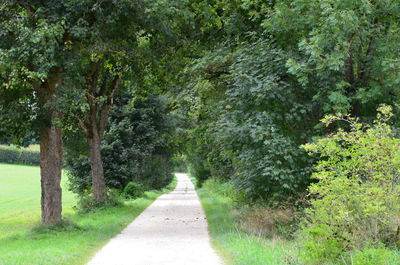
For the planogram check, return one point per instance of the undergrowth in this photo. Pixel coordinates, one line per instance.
(259, 234)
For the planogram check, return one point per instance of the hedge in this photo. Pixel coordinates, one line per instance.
(14, 155)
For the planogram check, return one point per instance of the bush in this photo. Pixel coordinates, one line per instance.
(356, 201)
(78, 172)
(23, 156)
(86, 203)
(376, 257)
(250, 118)
(200, 171)
(262, 220)
(320, 245)
(133, 190)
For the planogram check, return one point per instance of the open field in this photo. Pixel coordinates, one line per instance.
(20, 199)
(23, 241)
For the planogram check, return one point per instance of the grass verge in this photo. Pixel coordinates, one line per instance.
(236, 246)
(23, 241)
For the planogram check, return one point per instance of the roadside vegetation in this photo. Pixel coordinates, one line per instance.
(239, 238)
(262, 235)
(23, 240)
(259, 104)
(352, 210)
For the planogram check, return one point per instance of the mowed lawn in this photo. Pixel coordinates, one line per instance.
(20, 199)
(23, 241)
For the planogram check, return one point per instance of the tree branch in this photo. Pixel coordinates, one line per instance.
(108, 104)
(84, 127)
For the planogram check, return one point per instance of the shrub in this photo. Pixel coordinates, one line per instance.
(133, 190)
(200, 171)
(78, 172)
(86, 203)
(320, 245)
(23, 156)
(356, 201)
(375, 257)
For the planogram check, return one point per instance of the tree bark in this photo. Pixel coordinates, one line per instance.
(51, 153)
(96, 164)
(95, 123)
(51, 160)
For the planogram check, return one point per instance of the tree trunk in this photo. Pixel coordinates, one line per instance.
(51, 153)
(51, 161)
(95, 123)
(97, 172)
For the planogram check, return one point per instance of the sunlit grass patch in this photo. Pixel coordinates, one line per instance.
(24, 241)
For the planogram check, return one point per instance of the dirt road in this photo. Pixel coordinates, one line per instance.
(173, 230)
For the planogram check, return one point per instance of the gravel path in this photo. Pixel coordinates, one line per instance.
(173, 230)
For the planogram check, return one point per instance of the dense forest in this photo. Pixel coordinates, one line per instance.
(290, 105)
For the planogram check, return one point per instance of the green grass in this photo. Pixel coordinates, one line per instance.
(23, 241)
(236, 246)
(240, 248)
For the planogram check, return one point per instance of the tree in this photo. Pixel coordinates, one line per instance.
(346, 50)
(136, 146)
(32, 48)
(113, 50)
(290, 62)
(249, 118)
(42, 47)
(100, 100)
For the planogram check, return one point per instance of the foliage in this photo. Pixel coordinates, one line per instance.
(262, 122)
(279, 66)
(355, 203)
(133, 190)
(180, 164)
(375, 257)
(346, 50)
(248, 118)
(86, 203)
(157, 171)
(78, 172)
(205, 83)
(23, 156)
(135, 147)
